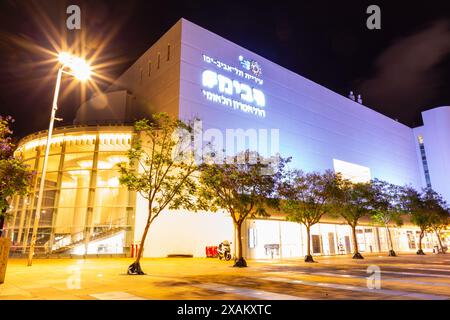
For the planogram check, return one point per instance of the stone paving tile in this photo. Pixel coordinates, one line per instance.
(385, 283)
(176, 278)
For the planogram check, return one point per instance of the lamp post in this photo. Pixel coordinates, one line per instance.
(80, 69)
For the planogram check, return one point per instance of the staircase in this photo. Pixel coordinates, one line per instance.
(100, 233)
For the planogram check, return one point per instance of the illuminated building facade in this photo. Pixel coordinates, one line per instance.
(83, 204)
(244, 101)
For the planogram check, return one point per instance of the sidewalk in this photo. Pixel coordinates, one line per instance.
(193, 278)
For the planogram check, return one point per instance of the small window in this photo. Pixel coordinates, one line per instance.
(420, 138)
(149, 68)
(159, 59)
(168, 52)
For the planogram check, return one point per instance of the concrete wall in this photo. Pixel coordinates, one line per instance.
(316, 125)
(181, 232)
(436, 138)
(154, 78)
(110, 106)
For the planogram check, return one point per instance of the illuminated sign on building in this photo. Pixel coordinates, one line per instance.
(251, 65)
(223, 89)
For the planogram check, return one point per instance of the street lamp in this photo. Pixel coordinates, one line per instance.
(80, 69)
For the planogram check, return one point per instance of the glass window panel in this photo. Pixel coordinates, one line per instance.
(49, 199)
(46, 217)
(112, 197)
(19, 203)
(108, 178)
(70, 221)
(28, 153)
(80, 145)
(77, 161)
(30, 163)
(50, 180)
(107, 218)
(70, 198)
(52, 164)
(75, 178)
(109, 160)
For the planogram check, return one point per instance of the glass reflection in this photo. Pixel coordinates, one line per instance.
(84, 207)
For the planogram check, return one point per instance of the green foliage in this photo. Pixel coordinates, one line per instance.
(427, 208)
(352, 201)
(241, 187)
(15, 176)
(161, 164)
(306, 197)
(386, 203)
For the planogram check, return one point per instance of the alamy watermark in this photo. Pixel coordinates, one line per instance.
(214, 145)
(73, 21)
(373, 22)
(374, 278)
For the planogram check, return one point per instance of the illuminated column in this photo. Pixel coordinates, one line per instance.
(377, 236)
(78, 213)
(88, 227)
(25, 203)
(130, 217)
(57, 194)
(281, 243)
(11, 226)
(32, 200)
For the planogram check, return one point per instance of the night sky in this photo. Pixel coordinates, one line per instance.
(400, 70)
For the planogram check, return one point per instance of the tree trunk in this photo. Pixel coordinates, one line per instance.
(240, 261)
(356, 254)
(2, 221)
(390, 243)
(5, 244)
(308, 257)
(440, 241)
(135, 267)
(420, 251)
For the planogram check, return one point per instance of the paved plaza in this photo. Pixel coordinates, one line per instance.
(403, 277)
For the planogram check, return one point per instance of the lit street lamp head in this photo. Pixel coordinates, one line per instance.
(80, 69)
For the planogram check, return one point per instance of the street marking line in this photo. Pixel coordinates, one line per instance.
(432, 275)
(426, 269)
(116, 295)
(259, 294)
(347, 276)
(405, 294)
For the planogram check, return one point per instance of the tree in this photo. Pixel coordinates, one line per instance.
(305, 197)
(15, 176)
(387, 209)
(417, 204)
(242, 187)
(160, 168)
(352, 201)
(439, 212)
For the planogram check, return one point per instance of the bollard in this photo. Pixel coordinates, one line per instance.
(5, 244)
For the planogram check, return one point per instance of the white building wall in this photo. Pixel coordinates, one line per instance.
(436, 136)
(316, 125)
(181, 232)
(293, 241)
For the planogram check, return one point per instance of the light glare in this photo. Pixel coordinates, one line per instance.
(79, 67)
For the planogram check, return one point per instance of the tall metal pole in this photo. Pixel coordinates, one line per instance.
(44, 168)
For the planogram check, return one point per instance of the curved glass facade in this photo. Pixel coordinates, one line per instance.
(84, 209)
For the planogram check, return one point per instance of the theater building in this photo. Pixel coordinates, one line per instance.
(191, 73)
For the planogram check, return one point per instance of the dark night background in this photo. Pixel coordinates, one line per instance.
(400, 70)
